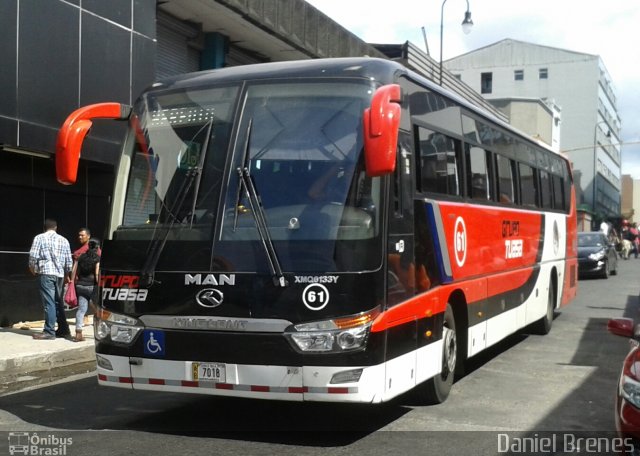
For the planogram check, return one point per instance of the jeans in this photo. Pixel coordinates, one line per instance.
(84, 294)
(49, 293)
(63, 326)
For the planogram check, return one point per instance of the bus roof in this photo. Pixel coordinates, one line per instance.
(382, 70)
(356, 67)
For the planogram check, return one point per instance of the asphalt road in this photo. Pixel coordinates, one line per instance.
(529, 386)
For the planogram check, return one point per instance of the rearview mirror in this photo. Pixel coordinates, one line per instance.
(72, 133)
(381, 125)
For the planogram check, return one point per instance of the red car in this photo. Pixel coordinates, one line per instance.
(628, 394)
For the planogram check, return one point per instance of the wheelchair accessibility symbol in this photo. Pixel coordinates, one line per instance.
(154, 343)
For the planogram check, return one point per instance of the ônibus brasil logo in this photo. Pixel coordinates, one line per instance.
(31, 443)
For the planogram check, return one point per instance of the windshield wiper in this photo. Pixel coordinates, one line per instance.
(157, 245)
(246, 181)
(194, 174)
(204, 152)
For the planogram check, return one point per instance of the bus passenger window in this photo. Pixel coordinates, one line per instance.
(559, 200)
(438, 164)
(546, 190)
(505, 179)
(528, 185)
(478, 182)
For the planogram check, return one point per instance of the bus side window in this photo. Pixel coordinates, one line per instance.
(528, 185)
(559, 199)
(546, 190)
(438, 164)
(505, 179)
(477, 173)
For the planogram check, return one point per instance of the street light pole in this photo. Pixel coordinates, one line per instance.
(467, 23)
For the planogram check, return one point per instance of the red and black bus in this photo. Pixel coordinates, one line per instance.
(324, 230)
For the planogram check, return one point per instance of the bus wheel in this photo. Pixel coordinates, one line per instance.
(543, 326)
(436, 389)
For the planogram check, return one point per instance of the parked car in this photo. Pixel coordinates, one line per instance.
(596, 255)
(628, 392)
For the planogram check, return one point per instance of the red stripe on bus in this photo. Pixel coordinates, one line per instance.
(227, 386)
(508, 281)
(224, 386)
(335, 390)
(433, 302)
(298, 389)
(260, 388)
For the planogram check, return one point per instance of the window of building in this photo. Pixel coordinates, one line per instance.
(518, 75)
(543, 73)
(486, 82)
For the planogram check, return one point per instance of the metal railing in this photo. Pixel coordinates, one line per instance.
(414, 58)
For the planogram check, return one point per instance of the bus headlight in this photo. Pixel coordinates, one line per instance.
(309, 341)
(119, 329)
(332, 336)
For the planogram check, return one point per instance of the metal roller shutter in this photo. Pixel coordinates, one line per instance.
(176, 53)
(239, 56)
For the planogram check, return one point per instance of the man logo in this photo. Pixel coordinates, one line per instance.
(209, 298)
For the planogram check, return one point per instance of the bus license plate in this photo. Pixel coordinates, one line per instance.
(212, 372)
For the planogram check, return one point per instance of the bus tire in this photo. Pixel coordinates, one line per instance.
(543, 326)
(436, 389)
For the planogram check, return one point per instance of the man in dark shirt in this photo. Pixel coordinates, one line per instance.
(84, 234)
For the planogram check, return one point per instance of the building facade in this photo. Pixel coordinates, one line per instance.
(539, 119)
(581, 87)
(63, 54)
(58, 55)
(630, 198)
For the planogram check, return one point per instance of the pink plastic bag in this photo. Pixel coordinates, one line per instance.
(70, 298)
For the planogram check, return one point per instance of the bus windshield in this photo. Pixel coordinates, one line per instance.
(299, 147)
(170, 165)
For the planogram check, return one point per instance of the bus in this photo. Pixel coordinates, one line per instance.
(338, 230)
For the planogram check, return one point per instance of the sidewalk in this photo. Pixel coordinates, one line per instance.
(25, 361)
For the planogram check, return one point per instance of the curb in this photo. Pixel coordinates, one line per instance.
(23, 359)
(35, 362)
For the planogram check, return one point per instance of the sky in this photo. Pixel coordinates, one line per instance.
(608, 29)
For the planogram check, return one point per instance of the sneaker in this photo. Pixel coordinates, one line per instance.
(44, 336)
(63, 335)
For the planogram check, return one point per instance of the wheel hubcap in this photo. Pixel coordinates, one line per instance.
(449, 360)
